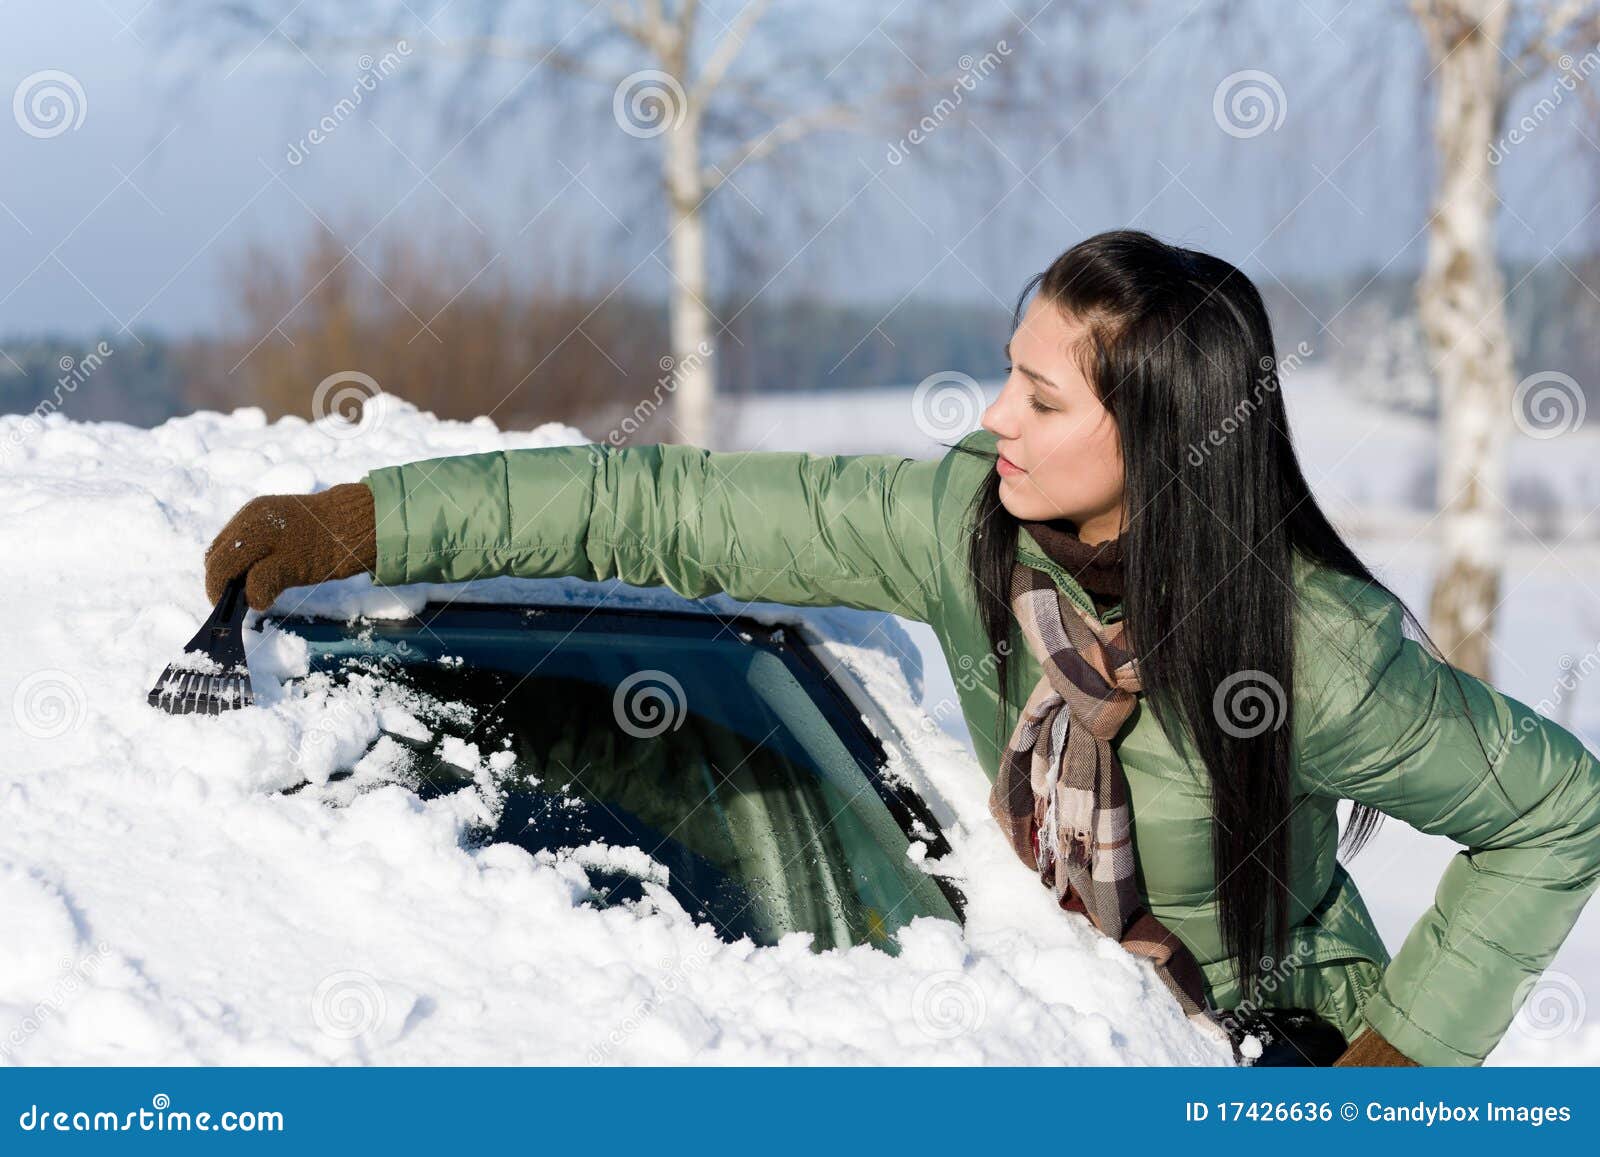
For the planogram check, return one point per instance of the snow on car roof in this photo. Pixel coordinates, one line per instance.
(161, 901)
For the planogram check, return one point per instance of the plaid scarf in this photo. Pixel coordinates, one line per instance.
(1061, 796)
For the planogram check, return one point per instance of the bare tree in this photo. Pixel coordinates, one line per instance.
(714, 96)
(308, 311)
(1482, 51)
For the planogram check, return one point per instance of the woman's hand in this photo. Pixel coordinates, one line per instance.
(290, 540)
(1371, 1049)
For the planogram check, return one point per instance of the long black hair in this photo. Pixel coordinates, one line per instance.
(1179, 350)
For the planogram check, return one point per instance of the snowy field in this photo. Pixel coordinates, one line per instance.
(160, 902)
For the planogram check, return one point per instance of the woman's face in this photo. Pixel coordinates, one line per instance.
(1060, 456)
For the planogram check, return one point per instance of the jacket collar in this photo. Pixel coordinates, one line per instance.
(1031, 553)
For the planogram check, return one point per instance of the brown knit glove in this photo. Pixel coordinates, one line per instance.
(1372, 1050)
(292, 540)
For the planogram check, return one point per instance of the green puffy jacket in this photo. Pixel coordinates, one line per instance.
(1377, 719)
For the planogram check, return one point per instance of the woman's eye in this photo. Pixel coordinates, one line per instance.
(1033, 400)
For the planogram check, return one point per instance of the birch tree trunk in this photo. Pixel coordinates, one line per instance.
(1460, 304)
(693, 372)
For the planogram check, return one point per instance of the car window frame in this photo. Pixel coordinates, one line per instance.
(793, 638)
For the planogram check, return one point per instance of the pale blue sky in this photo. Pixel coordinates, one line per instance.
(181, 159)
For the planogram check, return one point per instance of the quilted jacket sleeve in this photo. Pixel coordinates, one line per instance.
(774, 526)
(1387, 727)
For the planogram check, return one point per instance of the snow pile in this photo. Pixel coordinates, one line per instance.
(162, 902)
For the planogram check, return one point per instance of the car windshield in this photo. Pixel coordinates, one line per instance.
(719, 749)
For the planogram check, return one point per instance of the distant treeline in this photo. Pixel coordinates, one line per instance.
(534, 354)
(106, 377)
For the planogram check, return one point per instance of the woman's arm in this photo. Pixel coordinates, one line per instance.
(1386, 726)
(777, 526)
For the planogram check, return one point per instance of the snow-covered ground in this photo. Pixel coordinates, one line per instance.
(160, 902)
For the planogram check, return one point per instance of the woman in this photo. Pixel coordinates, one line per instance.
(1129, 548)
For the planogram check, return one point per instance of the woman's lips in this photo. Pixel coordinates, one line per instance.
(1007, 467)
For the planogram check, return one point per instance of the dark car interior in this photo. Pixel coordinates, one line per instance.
(719, 747)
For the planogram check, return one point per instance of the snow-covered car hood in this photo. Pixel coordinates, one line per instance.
(160, 902)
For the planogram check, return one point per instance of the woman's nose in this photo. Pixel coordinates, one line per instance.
(997, 419)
